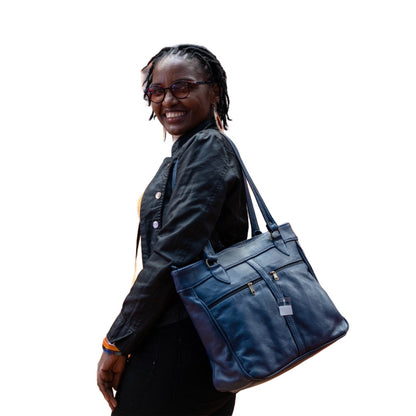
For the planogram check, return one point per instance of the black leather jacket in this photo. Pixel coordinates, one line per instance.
(207, 203)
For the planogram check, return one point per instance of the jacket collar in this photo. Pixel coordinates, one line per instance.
(178, 145)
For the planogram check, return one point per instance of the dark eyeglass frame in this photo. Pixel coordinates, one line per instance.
(190, 85)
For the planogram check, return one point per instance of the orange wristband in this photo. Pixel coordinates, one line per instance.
(110, 348)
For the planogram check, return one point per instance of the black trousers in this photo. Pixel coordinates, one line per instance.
(170, 375)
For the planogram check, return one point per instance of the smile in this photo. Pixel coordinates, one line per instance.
(174, 114)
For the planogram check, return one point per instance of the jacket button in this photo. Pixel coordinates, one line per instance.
(158, 195)
(155, 224)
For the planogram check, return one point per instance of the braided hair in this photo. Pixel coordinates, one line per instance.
(209, 63)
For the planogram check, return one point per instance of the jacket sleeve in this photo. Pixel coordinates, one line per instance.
(205, 173)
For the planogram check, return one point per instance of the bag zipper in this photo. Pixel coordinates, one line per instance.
(248, 285)
(274, 273)
(278, 295)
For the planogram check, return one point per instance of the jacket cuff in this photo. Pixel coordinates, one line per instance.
(123, 337)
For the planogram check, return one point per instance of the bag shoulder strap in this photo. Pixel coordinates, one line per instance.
(270, 222)
(255, 230)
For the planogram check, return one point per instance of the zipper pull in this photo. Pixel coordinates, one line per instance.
(250, 286)
(274, 274)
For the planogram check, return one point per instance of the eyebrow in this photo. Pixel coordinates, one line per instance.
(157, 84)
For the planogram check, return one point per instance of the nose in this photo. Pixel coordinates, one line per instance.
(169, 98)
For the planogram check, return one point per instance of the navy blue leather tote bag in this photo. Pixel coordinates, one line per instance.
(257, 306)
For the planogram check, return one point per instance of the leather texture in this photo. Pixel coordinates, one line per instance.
(258, 306)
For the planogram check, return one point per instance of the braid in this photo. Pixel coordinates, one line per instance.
(209, 64)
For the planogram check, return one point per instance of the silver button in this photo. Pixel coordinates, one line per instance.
(158, 195)
(155, 224)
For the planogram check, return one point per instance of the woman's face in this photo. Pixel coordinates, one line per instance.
(179, 116)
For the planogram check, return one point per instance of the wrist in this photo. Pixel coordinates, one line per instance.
(110, 349)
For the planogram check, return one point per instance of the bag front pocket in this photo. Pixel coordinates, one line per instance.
(260, 344)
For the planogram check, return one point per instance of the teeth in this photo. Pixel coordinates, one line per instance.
(174, 114)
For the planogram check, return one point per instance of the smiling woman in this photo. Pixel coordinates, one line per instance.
(152, 354)
(179, 115)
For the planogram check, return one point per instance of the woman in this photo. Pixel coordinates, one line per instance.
(167, 371)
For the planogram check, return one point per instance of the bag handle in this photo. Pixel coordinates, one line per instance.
(211, 258)
(271, 224)
(272, 227)
(255, 230)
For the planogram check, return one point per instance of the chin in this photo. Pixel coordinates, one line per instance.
(177, 131)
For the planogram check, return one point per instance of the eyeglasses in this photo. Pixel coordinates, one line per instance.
(179, 89)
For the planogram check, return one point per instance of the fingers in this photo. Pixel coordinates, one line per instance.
(109, 371)
(105, 384)
(105, 379)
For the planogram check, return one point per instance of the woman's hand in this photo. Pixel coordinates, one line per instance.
(109, 371)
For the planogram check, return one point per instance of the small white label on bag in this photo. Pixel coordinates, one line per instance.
(285, 307)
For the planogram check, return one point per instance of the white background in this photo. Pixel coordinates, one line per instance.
(323, 108)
